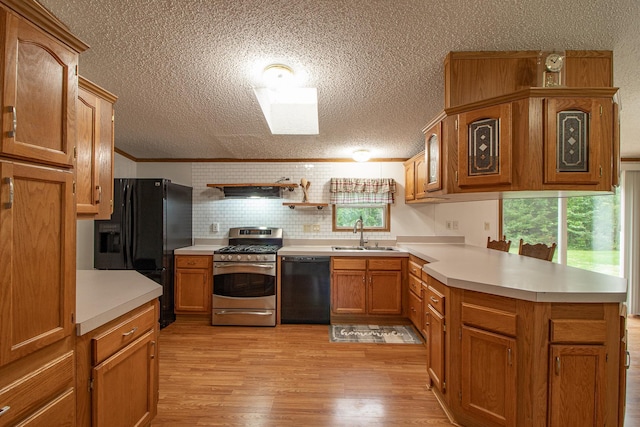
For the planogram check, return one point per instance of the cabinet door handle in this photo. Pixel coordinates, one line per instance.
(99, 192)
(509, 361)
(14, 121)
(4, 410)
(627, 363)
(153, 352)
(435, 301)
(9, 180)
(126, 334)
(557, 365)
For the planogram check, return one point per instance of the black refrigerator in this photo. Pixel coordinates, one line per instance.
(151, 218)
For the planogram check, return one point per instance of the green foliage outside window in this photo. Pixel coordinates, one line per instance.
(372, 216)
(593, 228)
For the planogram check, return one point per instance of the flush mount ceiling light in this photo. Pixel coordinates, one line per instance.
(277, 75)
(361, 155)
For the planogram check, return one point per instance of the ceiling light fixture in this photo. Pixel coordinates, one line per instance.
(361, 155)
(277, 75)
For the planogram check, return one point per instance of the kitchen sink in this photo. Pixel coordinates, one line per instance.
(364, 248)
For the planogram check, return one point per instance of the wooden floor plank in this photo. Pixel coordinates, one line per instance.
(292, 375)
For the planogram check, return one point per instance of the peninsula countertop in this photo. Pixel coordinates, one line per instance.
(516, 276)
(103, 295)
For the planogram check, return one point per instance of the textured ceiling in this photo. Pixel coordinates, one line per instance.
(184, 69)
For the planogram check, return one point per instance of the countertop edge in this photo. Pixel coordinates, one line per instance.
(109, 315)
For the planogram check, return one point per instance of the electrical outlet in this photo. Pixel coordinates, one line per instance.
(487, 226)
(306, 228)
(449, 225)
(215, 227)
(455, 225)
(316, 228)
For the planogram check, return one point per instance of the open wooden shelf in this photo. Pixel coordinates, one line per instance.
(251, 184)
(306, 205)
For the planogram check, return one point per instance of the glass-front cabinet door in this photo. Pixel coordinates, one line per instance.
(578, 131)
(484, 146)
(433, 149)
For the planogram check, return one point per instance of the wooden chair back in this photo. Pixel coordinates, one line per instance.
(499, 245)
(539, 250)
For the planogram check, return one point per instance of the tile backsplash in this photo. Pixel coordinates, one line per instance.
(210, 207)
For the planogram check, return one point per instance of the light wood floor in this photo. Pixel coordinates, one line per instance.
(292, 376)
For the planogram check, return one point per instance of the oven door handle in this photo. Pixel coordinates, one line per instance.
(255, 313)
(242, 264)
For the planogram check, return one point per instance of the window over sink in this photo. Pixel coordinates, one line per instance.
(375, 217)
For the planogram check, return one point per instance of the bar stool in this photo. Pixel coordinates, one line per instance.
(539, 250)
(499, 245)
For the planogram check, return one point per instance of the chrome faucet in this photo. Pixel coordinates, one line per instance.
(355, 230)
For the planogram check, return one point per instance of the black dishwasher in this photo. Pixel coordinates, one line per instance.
(305, 289)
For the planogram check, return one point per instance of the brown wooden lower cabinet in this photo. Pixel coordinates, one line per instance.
(498, 361)
(436, 348)
(488, 380)
(577, 385)
(193, 284)
(117, 372)
(369, 286)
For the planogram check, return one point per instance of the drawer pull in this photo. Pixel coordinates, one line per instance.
(4, 410)
(132, 331)
(153, 353)
(435, 301)
(627, 363)
(191, 263)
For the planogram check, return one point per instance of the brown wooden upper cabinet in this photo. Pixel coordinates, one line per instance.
(94, 161)
(433, 157)
(577, 140)
(484, 146)
(501, 131)
(415, 178)
(39, 94)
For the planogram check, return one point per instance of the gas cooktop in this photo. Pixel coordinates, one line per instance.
(248, 249)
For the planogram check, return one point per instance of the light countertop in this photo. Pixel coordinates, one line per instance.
(325, 250)
(480, 269)
(103, 295)
(197, 250)
(511, 275)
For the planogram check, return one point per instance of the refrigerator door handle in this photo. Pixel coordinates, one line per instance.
(125, 223)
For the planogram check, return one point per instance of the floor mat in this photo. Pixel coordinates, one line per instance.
(382, 334)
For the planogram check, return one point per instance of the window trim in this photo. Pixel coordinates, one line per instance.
(335, 228)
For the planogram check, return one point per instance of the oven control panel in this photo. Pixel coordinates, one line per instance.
(245, 257)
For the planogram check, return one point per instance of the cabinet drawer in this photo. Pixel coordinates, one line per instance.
(37, 388)
(489, 318)
(59, 412)
(349, 263)
(202, 261)
(415, 285)
(435, 299)
(578, 330)
(104, 345)
(392, 264)
(415, 269)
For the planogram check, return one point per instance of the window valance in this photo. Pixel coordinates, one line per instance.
(362, 190)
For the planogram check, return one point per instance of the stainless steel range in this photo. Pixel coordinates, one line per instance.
(244, 278)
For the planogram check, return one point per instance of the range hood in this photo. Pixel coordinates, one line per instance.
(253, 191)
